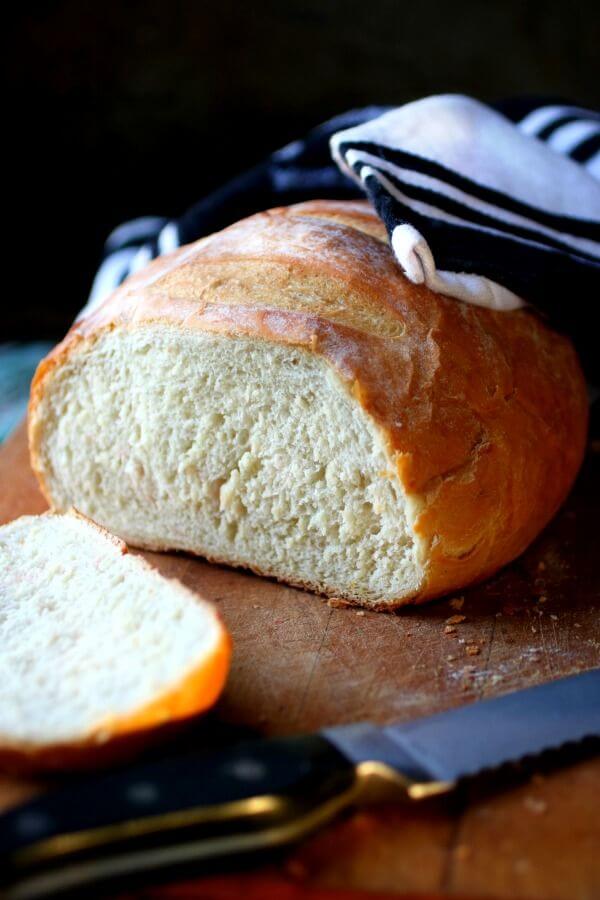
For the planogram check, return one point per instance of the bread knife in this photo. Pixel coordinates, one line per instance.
(193, 812)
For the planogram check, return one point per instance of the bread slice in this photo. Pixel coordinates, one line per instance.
(98, 651)
(279, 396)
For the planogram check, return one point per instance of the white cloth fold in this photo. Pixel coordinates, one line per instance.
(477, 207)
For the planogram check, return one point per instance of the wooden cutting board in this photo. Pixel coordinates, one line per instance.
(300, 664)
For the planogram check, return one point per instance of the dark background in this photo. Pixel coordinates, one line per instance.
(114, 110)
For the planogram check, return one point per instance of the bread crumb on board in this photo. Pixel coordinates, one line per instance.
(522, 866)
(473, 650)
(457, 603)
(339, 603)
(462, 852)
(535, 805)
(452, 622)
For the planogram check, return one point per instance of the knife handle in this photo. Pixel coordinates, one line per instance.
(156, 818)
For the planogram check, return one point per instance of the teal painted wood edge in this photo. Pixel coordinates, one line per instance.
(18, 363)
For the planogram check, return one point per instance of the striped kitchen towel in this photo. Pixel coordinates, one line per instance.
(494, 206)
(299, 171)
(479, 209)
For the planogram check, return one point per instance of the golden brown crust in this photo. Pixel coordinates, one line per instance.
(484, 413)
(120, 737)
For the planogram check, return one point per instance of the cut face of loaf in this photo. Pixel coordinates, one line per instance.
(96, 647)
(234, 449)
(279, 397)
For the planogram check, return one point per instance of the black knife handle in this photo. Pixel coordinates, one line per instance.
(155, 818)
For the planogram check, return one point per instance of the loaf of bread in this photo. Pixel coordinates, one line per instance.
(98, 651)
(278, 396)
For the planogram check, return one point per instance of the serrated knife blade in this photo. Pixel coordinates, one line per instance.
(484, 735)
(150, 820)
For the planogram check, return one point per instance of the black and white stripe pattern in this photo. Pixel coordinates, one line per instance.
(474, 207)
(565, 128)
(300, 171)
(497, 207)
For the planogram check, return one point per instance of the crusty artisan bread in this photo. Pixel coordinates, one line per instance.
(279, 396)
(98, 651)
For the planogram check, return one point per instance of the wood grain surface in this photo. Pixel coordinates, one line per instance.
(300, 664)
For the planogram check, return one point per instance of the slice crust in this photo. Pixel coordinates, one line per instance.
(99, 652)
